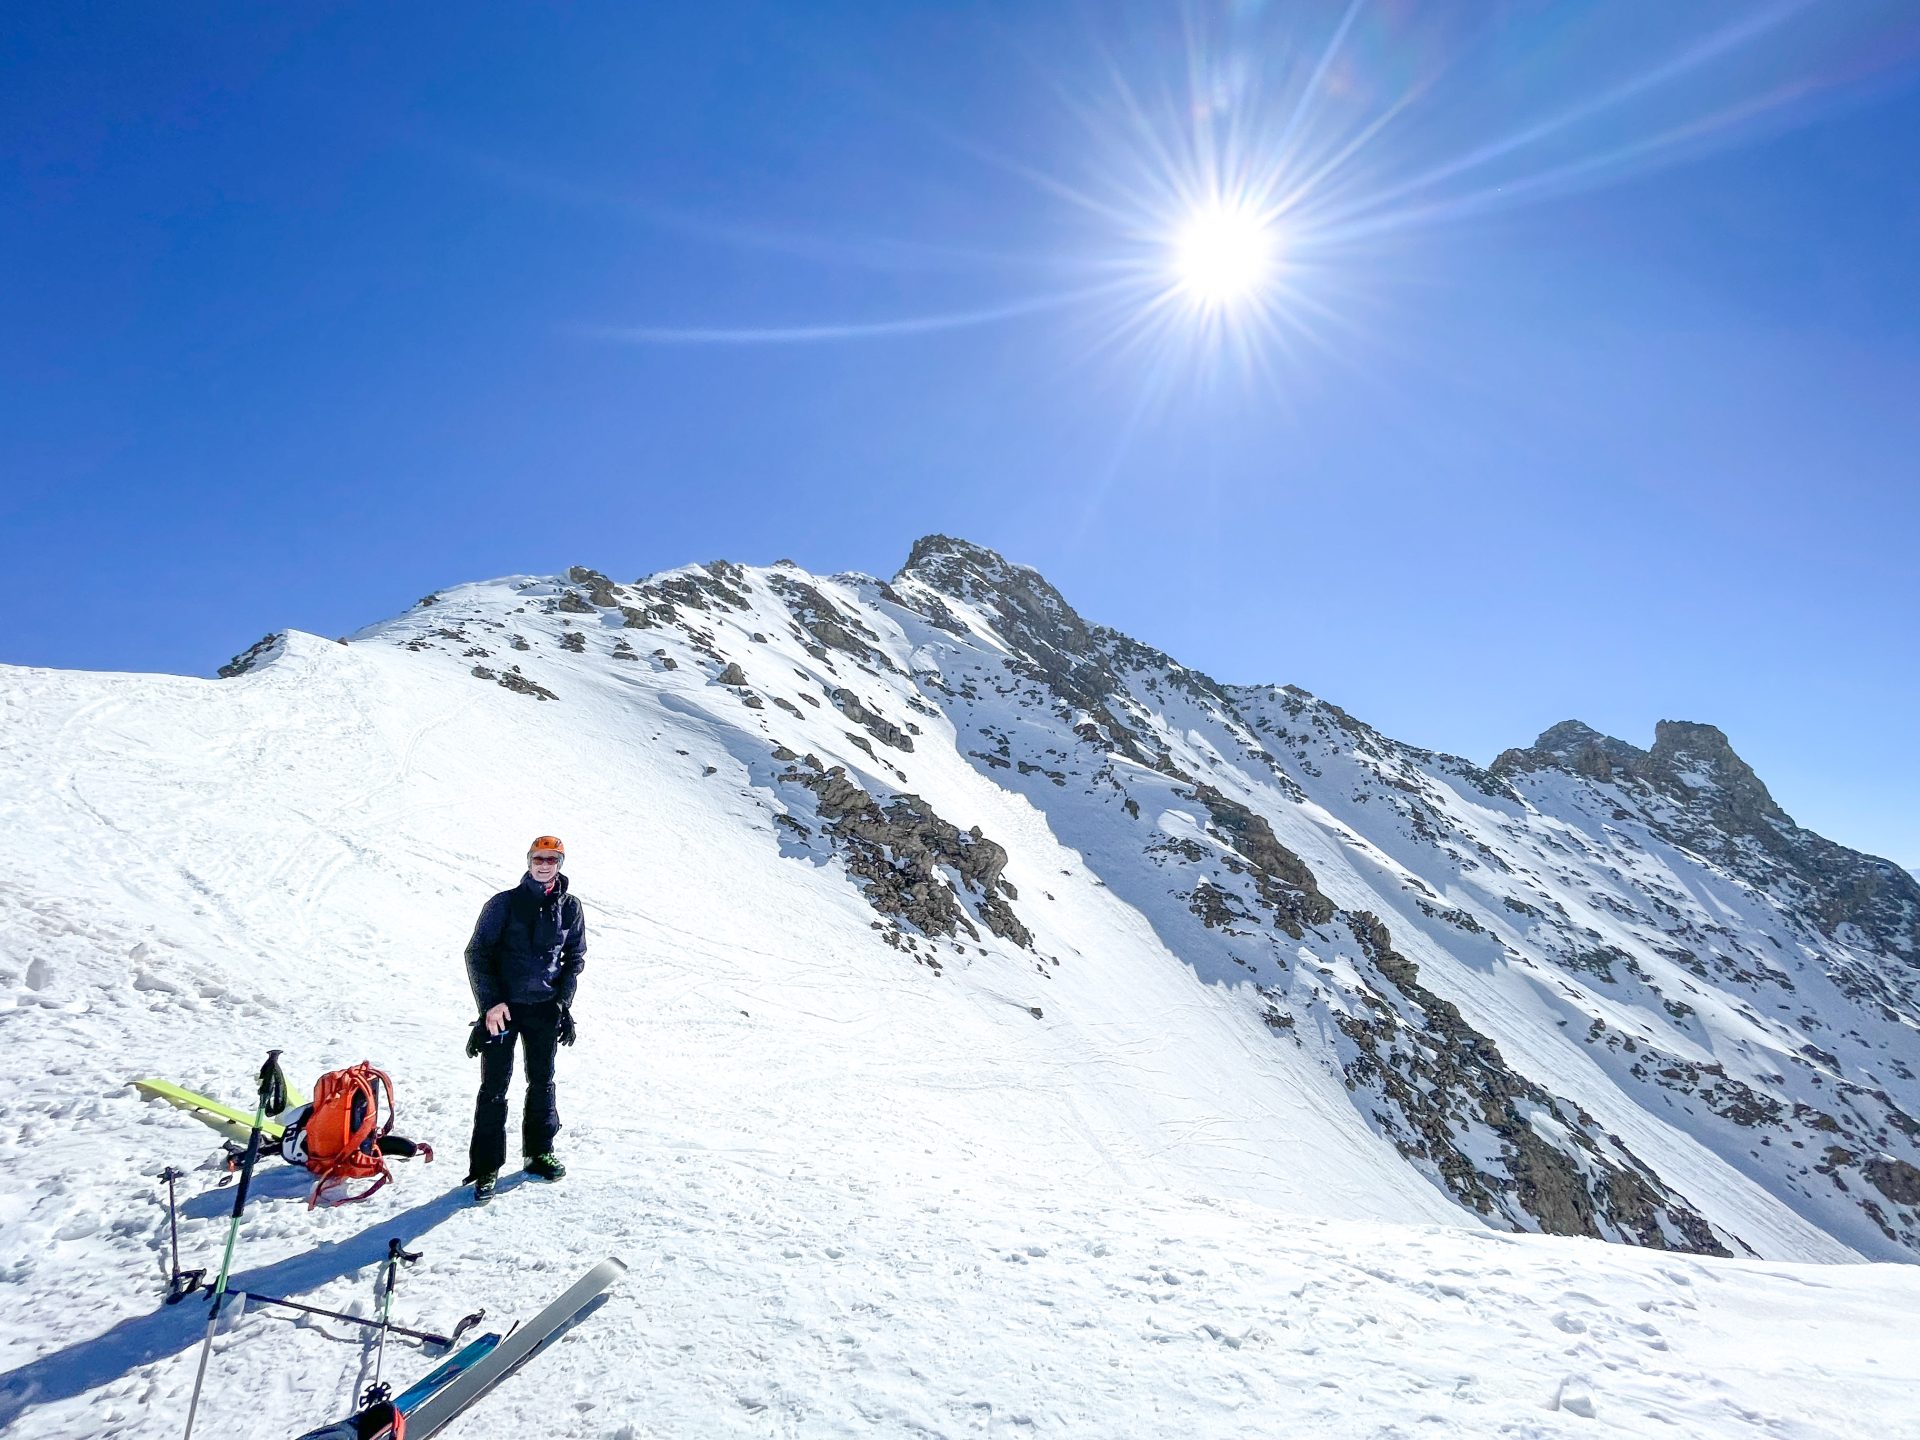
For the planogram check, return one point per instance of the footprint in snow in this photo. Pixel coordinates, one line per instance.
(78, 1227)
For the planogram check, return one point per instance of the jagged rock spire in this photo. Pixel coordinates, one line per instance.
(1701, 757)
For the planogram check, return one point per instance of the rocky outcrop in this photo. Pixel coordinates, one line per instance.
(1048, 643)
(1446, 1079)
(820, 625)
(254, 656)
(875, 724)
(512, 679)
(600, 590)
(1895, 1179)
(1577, 748)
(901, 852)
(1282, 878)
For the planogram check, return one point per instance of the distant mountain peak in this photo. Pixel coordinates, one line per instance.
(934, 551)
(1577, 747)
(1700, 793)
(1700, 757)
(1570, 735)
(1691, 763)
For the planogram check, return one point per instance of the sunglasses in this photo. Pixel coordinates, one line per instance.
(543, 859)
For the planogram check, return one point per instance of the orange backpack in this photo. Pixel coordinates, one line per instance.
(343, 1131)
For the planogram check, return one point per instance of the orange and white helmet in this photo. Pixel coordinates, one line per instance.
(546, 845)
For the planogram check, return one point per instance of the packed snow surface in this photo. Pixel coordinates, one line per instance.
(859, 1196)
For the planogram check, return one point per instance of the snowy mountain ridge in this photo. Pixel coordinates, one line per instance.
(1562, 871)
(945, 944)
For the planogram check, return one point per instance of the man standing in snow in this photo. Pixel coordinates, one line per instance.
(523, 962)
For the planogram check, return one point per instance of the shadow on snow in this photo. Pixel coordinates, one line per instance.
(168, 1330)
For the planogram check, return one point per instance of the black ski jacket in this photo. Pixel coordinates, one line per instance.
(529, 945)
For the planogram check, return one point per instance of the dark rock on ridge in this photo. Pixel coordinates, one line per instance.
(255, 655)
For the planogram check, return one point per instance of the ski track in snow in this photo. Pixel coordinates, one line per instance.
(857, 1198)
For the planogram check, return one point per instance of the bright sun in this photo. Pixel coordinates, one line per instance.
(1223, 256)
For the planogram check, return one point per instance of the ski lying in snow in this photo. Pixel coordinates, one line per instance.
(465, 1358)
(232, 1123)
(416, 1394)
(473, 1382)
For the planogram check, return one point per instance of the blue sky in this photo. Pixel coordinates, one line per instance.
(1582, 385)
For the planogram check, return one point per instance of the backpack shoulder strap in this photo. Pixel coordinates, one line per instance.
(385, 1128)
(329, 1181)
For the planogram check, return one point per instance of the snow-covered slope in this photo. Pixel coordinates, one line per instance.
(990, 1026)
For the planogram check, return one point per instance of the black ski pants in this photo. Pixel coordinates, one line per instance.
(535, 1026)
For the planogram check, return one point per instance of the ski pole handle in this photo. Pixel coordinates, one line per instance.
(273, 1085)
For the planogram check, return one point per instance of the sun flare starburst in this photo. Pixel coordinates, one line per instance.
(1223, 255)
(1234, 193)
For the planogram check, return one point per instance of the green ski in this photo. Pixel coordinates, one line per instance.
(232, 1123)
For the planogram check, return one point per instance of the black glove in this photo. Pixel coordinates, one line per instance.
(565, 1028)
(477, 1037)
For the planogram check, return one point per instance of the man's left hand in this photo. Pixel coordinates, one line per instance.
(565, 1029)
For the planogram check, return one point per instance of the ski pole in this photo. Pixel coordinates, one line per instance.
(376, 1392)
(427, 1337)
(181, 1283)
(273, 1099)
